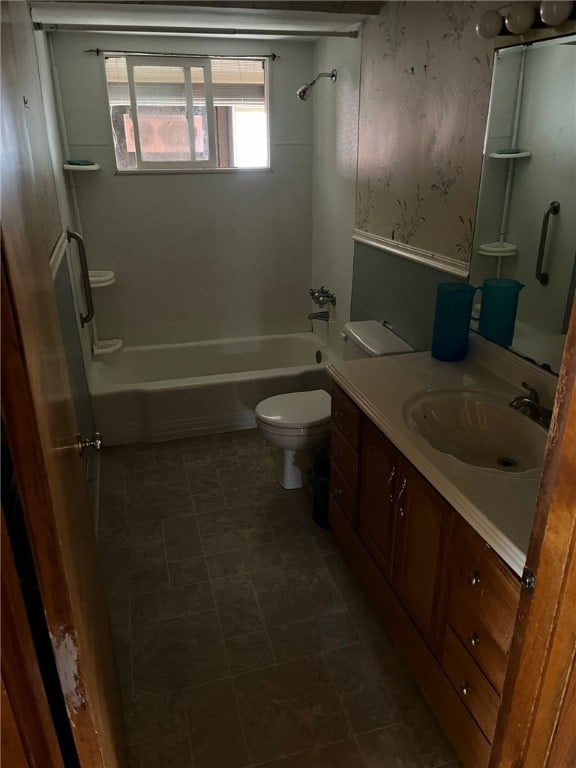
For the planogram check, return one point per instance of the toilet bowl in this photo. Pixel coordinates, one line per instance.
(300, 421)
(296, 423)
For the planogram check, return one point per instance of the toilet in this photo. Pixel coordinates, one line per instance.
(299, 422)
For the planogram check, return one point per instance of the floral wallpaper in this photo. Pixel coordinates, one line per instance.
(423, 107)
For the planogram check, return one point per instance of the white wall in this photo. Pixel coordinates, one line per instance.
(334, 184)
(196, 256)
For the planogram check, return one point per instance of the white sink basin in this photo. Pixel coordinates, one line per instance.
(478, 428)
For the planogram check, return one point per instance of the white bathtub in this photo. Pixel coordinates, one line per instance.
(156, 393)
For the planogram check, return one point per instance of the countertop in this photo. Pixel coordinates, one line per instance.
(498, 505)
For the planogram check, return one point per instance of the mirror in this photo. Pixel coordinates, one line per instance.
(526, 217)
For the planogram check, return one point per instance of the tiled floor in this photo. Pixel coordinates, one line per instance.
(241, 637)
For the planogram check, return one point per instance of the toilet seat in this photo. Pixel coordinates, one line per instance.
(277, 429)
(295, 411)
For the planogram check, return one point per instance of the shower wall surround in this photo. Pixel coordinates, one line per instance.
(196, 255)
(423, 106)
(334, 179)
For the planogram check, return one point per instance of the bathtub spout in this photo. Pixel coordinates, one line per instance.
(319, 316)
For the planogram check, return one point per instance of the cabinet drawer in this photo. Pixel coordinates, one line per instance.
(475, 691)
(483, 587)
(346, 416)
(344, 456)
(343, 494)
(481, 645)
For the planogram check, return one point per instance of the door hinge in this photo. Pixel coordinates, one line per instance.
(528, 580)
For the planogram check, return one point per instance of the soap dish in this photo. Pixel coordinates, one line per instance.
(107, 346)
(100, 278)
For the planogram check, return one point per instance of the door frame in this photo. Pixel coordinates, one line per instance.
(28, 733)
(536, 722)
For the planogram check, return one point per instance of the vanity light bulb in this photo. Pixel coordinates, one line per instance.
(520, 18)
(489, 25)
(555, 12)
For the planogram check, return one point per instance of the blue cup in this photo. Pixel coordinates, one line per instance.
(498, 310)
(452, 321)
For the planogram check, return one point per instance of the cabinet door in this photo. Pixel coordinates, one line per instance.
(424, 521)
(378, 476)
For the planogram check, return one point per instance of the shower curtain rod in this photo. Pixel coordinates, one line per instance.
(106, 52)
(40, 26)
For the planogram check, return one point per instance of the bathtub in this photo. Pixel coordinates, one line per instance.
(155, 393)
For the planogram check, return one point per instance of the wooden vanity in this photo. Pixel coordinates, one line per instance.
(445, 597)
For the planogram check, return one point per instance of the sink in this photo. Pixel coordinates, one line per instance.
(477, 427)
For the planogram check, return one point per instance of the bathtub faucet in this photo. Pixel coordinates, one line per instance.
(319, 316)
(322, 296)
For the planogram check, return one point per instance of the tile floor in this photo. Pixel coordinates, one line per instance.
(241, 637)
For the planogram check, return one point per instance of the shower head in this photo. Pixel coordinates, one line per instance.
(304, 91)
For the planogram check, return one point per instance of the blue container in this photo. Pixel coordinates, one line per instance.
(498, 310)
(452, 321)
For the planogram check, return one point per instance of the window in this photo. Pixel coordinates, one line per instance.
(188, 113)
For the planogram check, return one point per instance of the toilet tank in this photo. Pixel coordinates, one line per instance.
(369, 338)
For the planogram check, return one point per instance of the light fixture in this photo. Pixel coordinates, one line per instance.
(489, 25)
(555, 12)
(520, 18)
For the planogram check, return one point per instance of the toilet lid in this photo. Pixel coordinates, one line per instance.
(296, 409)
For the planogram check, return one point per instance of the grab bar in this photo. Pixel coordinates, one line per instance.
(84, 319)
(543, 277)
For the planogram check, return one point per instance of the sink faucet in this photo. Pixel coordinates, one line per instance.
(319, 316)
(530, 406)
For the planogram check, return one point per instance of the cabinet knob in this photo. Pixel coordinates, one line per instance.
(466, 689)
(337, 492)
(474, 579)
(338, 454)
(474, 640)
(339, 414)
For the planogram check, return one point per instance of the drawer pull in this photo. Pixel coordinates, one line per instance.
(402, 511)
(474, 640)
(474, 579)
(339, 414)
(466, 689)
(390, 481)
(337, 492)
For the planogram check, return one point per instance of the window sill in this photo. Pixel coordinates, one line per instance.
(178, 171)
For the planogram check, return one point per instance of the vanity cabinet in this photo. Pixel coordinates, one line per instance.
(424, 521)
(402, 521)
(446, 598)
(379, 471)
(484, 597)
(344, 455)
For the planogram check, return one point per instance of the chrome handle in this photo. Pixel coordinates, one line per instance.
(390, 481)
(474, 579)
(84, 319)
(552, 210)
(401, 510)
(474, 640)
(465, 688)
(89, 442)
